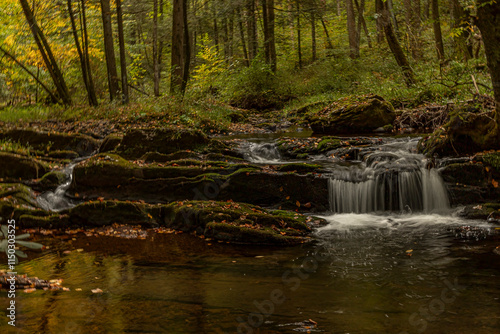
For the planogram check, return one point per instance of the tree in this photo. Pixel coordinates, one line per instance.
(352, 31)
(394, 45)
(180, 48)
(156, 65)
(47, 55)
(109, 50)
(269, 44)
(488, 21)
(436, 23)
(83, 53)
(412, 16)
(121, 43)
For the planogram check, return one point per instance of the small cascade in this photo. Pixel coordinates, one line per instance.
(56, 200)
(392, 178)
(266, 153)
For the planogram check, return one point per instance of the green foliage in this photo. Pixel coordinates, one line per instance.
(7, 145)
(211, 67)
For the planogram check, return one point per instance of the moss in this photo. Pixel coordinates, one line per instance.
(302, 155)
(354, 114)
(101, 213)
(329, 143)
(48, 221)
(160, 157)
(237, 222)
(137, 142)
(111, 142)
(492, 159)
(52, 141)
(15, 166)
(51, 180)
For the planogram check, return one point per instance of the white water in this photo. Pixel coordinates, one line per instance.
(391, 177)
(56, 200)
(263, 153)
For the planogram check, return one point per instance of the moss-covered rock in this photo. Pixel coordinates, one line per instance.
(50, 181)
(358, 114)
(16, 199)
(101, 213)
(137, 142)
(19, 167)
(52, 141)
(110, 176)
(481, 211)
(237, 222)
(160, 157)
(465, 173)
(63, 155)
(468, 130)
(111, 142)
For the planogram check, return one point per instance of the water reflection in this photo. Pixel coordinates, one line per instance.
(364, 282)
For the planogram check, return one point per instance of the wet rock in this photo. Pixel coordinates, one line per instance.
(481, 211)
(20, 167)
(52, 141)
(63, 155)
(100, 213)
(137, 142)
(160, 157)
(111, 176)
(300, 168)
(237, 222)
(50, 181)
(465, 173)
(471, 233)
(352, 115)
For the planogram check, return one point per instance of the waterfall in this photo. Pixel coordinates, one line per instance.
(392, 178)
(262, 153)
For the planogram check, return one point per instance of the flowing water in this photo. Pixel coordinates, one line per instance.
(392, 266)
(56, 200)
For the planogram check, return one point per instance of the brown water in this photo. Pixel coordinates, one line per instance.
(357, 278)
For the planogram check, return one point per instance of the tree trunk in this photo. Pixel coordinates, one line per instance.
(47, 54)
(436, 23)
(379, 21)
(123, 60)
(242, 37)
(395, 47)
(156, 67)
(412, 15)
(299, 41)
(252, 29)
(272, 40)
(488, 21)
(461, 20)
(362, 22)
(328, 39)
(313, 33)
(352, 31)
(180, 59)
(109, 50)
(85, 42)
(85, 74)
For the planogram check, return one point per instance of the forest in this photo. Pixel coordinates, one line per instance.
(249, 166)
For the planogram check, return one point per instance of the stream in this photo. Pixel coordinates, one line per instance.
(387, 261)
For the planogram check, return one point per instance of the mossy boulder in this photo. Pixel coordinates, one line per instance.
(101, 213)
(160, 157)
(20, 167)
(111, 142)
(481, 211)
(352, 115)
(300, 168)
(468, 130)
(52, 141)
(16, 199)
(50, 181)
(63, 155)
(465, 173)
(137, 142)
(238, 222)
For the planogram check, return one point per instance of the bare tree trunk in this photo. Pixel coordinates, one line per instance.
(85, 42)
(412, 8)
(109, 50)
(85, 74)
(438, 36)
(299, 41)
(123, 60)
(395, 47)
(242, 37)
(328, 39)
(272, 40)
(186, 47)
(460, 19)
(180, 48)
(47, 54)
(362, 21)
(488, 21)
(352, 31)
(252, 29)
(156, 67)
(313, 34)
